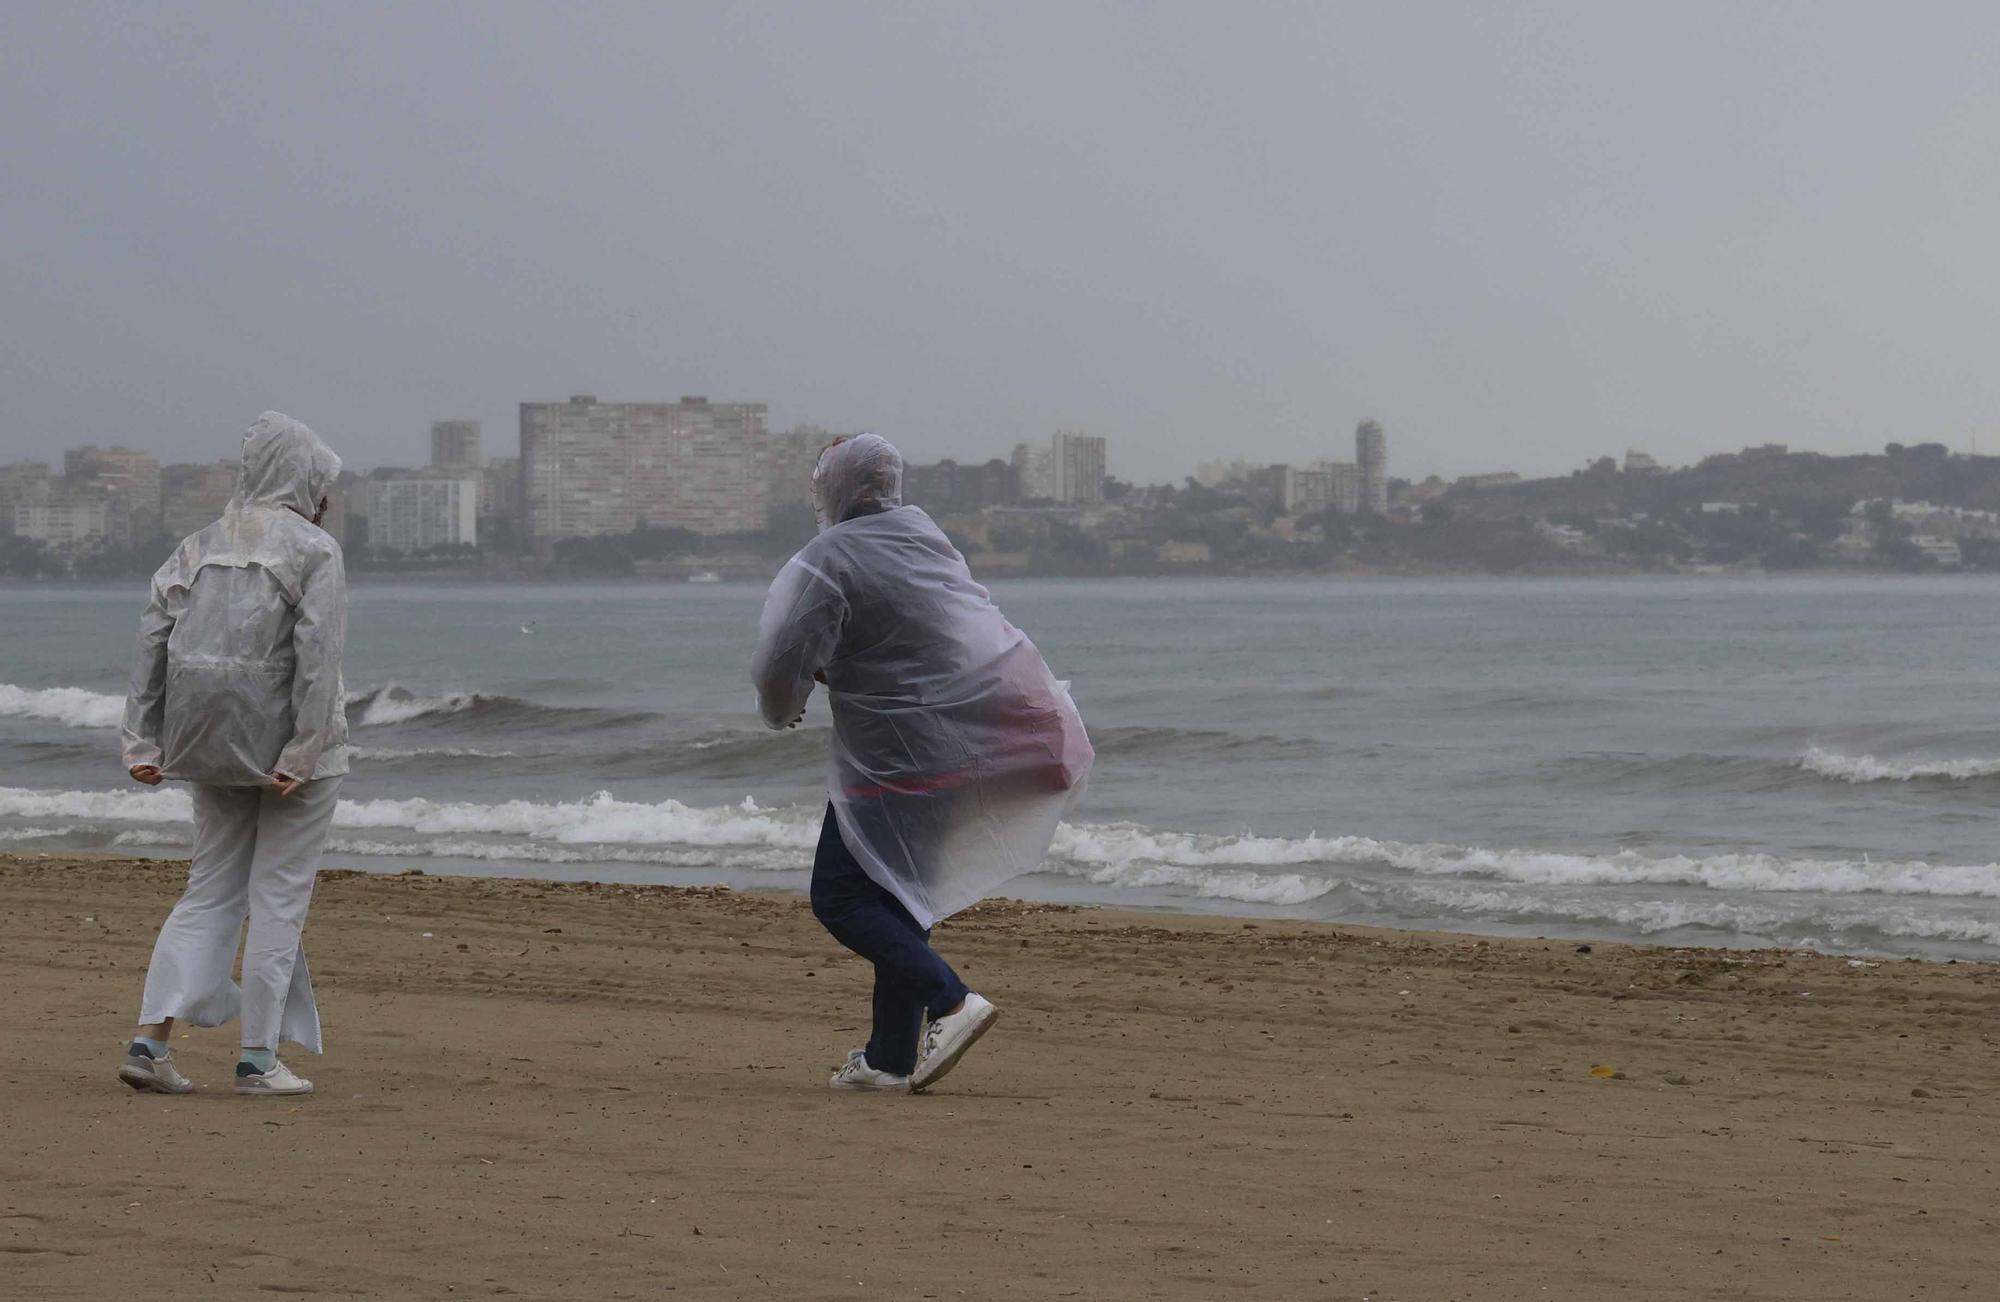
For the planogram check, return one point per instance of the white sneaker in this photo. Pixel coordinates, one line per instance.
(856, 1074)
(948, 1037)
(153, 1075)
(279, 1082)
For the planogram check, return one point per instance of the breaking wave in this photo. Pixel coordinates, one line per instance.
(394, 704)
(72, 706)
(1867, 768)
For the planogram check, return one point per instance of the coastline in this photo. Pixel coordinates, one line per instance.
(604, 1091)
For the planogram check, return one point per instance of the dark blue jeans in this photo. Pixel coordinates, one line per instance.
(910, 979)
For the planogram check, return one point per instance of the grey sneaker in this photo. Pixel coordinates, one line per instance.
(279, 1082)
(150, 1075)
(947, 1038)
(856, 1074)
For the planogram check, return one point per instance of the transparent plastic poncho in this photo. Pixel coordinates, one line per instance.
(237, 674)
(955, 751)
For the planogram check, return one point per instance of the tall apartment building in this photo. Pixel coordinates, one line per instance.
(590, 467)
(1069, 470)
(1371, 457)
(127, 480)
(455, 445)
(1078, 461)
(192, 496)
(419, 513)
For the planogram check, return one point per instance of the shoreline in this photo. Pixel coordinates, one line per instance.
(619, 1091)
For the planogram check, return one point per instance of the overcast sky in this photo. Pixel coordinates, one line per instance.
(1519, 235)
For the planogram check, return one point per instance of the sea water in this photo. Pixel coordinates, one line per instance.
(1742, 761)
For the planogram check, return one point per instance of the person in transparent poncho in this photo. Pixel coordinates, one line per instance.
(236, 689)
(955, 751)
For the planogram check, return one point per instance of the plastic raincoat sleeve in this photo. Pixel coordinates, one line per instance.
(146, 698)
(803, 618)
(317, 639)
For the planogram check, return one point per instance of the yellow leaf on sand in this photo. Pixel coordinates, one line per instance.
(1603, 1072)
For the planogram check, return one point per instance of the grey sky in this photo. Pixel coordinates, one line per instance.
(1518, 235)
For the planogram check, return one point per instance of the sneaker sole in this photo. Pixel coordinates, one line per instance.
(950, 1060)
(903, 1088)
(272, 1094)
(145, 1082)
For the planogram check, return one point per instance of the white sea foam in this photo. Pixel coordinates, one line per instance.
(390, 753)
(15, 835)
(1224, 867)
(392, 704)
(1124, 846)
(66, 705)
(720, 857)
(1866, 768)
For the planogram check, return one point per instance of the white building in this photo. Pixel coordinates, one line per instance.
(420, 513)
(65, 524)
(1077, 461)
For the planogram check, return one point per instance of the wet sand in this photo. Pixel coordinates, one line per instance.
(619, 1092)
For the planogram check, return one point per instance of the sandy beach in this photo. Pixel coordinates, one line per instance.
(587, 1091)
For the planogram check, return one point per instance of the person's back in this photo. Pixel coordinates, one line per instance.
(236, 689)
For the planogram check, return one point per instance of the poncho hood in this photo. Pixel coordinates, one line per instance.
(285, 465)
(858, 476)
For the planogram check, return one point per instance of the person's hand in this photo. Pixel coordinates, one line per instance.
(146, 773)
(287, 787)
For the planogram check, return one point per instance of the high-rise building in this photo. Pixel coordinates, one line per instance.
(1371, 458)
(1079, 467)
(420, 513)
(129, 482)
(590, 467)
(455, 445)
(192, 496)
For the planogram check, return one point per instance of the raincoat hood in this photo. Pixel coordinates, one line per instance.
(858, 476)
(285, 465)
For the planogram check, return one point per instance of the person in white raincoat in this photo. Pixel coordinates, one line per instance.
(955, 750)
(236, 689)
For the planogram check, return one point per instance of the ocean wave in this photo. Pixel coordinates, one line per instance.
(1277, 870)
(722, 858)
(15, 835)
(392, 704)
(1866, 768)
(72, 706)
(391, 754)
(1119, 846)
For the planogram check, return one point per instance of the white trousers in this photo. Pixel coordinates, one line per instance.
(255, 856)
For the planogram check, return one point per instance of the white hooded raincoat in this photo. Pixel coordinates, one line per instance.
(955, 750)
(237, 677)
